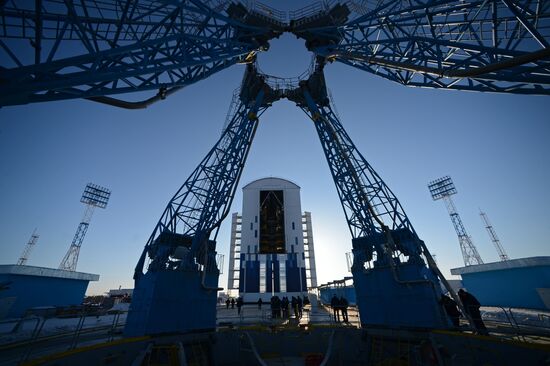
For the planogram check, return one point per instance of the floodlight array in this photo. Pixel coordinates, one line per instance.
(96, 195)
(441, 187)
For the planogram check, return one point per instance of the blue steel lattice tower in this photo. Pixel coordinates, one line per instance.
(52, 50)
(93, 196)
(443, 188)
(28, 248)
(494, 238)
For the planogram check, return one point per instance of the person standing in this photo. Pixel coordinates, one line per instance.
(284, 306)
(344, 309)
(472, 305)
(335, 305)
(227, 302)
(232, 303)
(273, 306)
(300, 306)
(294, 304)
(260, 302)
(239, 305)
(451, 309)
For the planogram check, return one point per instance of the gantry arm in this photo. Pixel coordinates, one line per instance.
(490, 45)
(382, 233)
(368, 202)
(54, 50)
(203, 201)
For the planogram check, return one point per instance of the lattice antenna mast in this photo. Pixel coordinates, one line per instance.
(493, 235)
(93, 196)
(28, 248)
(444, 188)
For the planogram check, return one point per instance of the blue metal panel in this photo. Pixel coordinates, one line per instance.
(171, 302)
(252, 276)
(409, 302)
(276, 275)
(34, 291)
(241, 280)
(294, 260)
(268, 277)
(513, 287)
(293, 279)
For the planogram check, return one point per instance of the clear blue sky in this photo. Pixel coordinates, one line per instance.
(495, 147)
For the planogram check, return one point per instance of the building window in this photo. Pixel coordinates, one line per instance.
(282, 275)
(251, 226)
(296, 240)
(256, 219)
(255, 233)
(293, 228)
(262, 277)
(272, 222)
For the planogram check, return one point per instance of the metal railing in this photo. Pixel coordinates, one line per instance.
(28, 345)
(505, 321)
(284, 85)
(319, 7)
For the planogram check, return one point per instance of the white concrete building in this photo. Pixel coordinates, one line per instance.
(271, 249)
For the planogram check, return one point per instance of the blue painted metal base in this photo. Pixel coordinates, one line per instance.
(515, 283)
(383, 301)
(29, 286)
(172, 301)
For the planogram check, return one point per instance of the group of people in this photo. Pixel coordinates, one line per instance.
(280, 307)
(232, 302)
(471, 307)
(339, 305)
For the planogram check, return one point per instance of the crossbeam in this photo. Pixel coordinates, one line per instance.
(90, 50)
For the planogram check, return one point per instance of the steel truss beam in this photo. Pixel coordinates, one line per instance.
(469, 251)
(489, 45)
(203, 201)
(387, 252)
(53, 50)
(371, 209)
(361, 190)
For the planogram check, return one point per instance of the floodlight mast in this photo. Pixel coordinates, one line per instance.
(28, 248)
(493, 235)
(93, 196)
(443, 188)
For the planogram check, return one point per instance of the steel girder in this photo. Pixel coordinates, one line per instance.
(70, 260)
(203, 201)
(367, 201)
(476, 45)
(469, 251)
(383, 238)
(52, 50)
